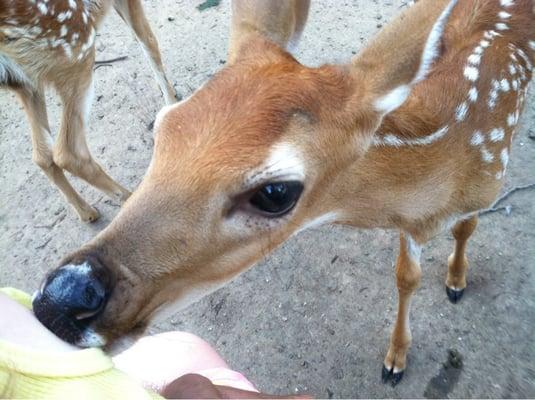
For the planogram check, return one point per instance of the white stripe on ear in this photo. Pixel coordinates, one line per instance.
(395, 98)
(432, 45)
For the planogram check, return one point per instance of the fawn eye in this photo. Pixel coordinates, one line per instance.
(276, 199)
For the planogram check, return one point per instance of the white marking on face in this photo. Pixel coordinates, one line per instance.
(477, 138)
(286, 161)
(327, 218)
(392, 100)
(504, 15)
(471, 73)
(461, 111)
(474, 59)
(497, 134)
(432, 45)
(506, 3)
(414, 250)
(473, 94)
(91, 339)
(487, 156)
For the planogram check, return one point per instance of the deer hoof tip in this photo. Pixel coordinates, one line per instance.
(385, 374)
(396, 377)
(454, 294)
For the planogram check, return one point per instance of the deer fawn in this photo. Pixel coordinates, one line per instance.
(413, 134)
(52, 42)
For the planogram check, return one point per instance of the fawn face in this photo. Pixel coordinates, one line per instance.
(237, 168)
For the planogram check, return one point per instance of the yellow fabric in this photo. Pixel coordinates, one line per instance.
(84, 374)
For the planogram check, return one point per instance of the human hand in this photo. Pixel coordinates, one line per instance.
(194, 386)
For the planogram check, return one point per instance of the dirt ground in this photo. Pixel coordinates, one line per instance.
(319, 311)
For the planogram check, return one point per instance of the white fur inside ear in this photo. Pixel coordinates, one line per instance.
(392, 100)
(432, 46)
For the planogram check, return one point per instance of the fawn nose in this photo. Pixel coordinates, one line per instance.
(72, 297)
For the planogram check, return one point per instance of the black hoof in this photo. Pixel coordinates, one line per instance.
(396, 377)
(385, 374)
(454, 295)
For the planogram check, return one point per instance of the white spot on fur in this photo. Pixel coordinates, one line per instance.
(512, 69)
(532, 44)
(67, 49)
(84, 17)
(504, 157)
(479, 50)
(477, 138)
(511, 120)
(72, 4)
(392, 100)
(501, 26)
(485, 43)
(497, 134)
(515, 84)
(473, 94)
(471, 73)
(62, 16)
(461, 111)
(504, 85)
(43, 9)
(504, 15)
(474, 59)
(486, 155)
(499, 175)
(432, 44)
(414, 250)
(506, 3)
(63, 31)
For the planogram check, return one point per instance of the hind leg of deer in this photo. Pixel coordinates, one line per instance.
(408, 274)
(131, 11)
(457, 261)
(70, 150)
(34, 104)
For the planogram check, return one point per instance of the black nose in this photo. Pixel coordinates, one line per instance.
(72, 297)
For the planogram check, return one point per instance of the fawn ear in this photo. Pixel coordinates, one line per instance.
(403, 53)
(279, 21)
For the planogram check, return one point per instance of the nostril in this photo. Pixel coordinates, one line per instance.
(77, 291)
(90, 301)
